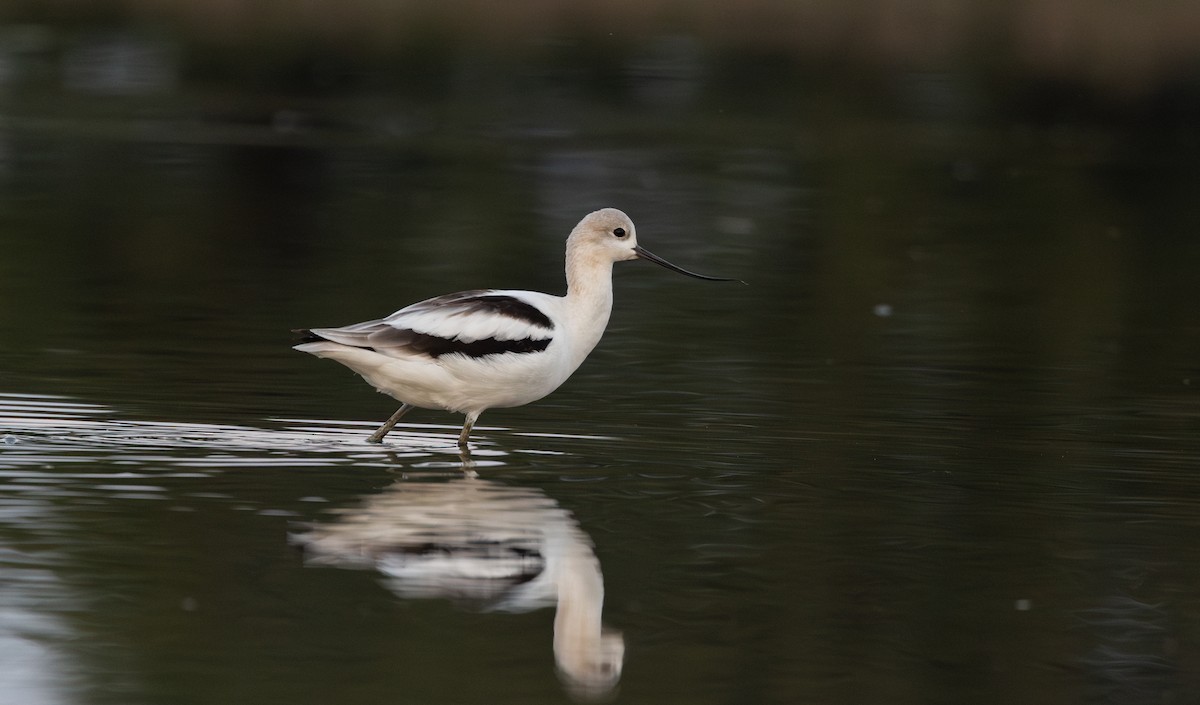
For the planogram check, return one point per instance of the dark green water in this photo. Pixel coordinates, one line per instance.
(943, 448)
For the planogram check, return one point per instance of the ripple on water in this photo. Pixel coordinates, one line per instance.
(50, 434)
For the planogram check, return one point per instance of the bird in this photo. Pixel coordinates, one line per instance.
(476, 350)
(484, 545)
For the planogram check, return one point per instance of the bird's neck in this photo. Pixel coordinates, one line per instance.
(589, 300)
(577, 621)
(589, 278)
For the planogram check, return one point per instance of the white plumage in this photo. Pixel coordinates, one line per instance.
(477, 350)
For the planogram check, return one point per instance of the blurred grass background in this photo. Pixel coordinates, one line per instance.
(1109, 51)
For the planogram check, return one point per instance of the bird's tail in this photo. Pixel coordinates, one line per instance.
(306, 336)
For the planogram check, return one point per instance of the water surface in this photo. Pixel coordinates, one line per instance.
(941, 449)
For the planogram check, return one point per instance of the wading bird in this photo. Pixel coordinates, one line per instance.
(491, 348)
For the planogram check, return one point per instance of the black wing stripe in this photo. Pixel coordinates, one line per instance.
(306, 335)
(516, 309)
(424, 344)
(436, 347)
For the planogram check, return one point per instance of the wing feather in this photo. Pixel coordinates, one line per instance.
(474, 315)
(471, 323)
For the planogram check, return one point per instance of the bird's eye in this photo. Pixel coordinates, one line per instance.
(619, 232)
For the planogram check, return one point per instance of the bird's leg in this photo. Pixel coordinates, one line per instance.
(466, 432)
(468, 465)
(388, 425)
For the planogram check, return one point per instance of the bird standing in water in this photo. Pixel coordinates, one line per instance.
(491, 348)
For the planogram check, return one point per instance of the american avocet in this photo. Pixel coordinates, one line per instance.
(477, 350)
(483, 544)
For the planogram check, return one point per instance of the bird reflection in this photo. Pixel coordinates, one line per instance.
(489, 546)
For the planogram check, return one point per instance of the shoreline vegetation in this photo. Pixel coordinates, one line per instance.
(1116, 52)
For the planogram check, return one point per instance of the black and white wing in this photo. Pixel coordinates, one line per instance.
(470, 323)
